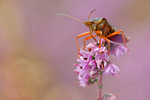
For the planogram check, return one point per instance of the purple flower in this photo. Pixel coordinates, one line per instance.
(118, 50)
(112, 97)
(84, 78)
(111, 70)
(92, 62)
(109, 96)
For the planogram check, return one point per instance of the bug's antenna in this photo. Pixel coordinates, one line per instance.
(71, 17)
(90, 14)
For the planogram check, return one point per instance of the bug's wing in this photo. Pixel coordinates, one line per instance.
(118, 38)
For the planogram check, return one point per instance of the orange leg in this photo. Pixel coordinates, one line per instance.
(92, 35)
(84, 34)
(118, 32)
(87, 38)
(81, 35)
(107, 40)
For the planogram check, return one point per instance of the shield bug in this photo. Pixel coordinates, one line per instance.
(103, 29)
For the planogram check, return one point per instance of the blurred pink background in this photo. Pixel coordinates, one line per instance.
(38, 49)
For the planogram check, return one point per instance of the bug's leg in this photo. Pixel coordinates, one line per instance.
(98, 32)
(87, 38)
(118, 32)
(123, 38)
(92, 35)
(81, 35)
(107, 40)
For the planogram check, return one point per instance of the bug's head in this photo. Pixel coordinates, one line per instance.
(89, 22)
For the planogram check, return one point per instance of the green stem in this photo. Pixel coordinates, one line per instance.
(100, 87)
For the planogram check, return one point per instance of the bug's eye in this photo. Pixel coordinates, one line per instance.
(92, 22)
